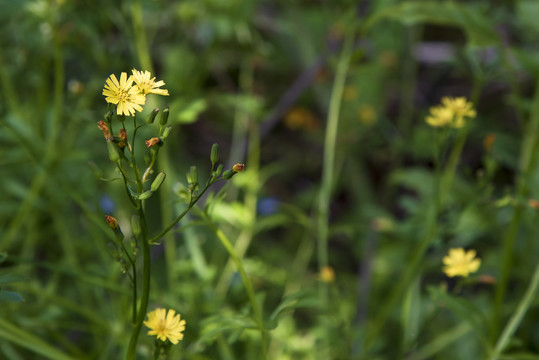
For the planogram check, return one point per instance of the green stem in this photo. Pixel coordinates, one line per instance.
(246, 281)
(141, 44)
(328, 169)
(526, 165)
(192, 203)
(146, 263)
(517, 317)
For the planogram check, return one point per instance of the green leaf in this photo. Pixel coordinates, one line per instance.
(216, 325)
(475, 25)
(10, 296)
(11, 278)
(300, 299)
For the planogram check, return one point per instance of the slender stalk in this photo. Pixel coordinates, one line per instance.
(192, 203)
(141, 43)
(328, 169)
(514, 322)
(146, 272)
(526, 167)
(246, 281)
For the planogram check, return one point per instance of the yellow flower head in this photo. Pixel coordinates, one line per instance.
(165, 326)
(460, 262)
(439, 116)
(453, 112)
(327, 274)
(123, 94)
(147, 85)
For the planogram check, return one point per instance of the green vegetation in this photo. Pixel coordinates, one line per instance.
(387, 208)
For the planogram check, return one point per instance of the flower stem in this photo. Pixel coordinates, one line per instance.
(246, 281)
(328, 170)
(146, 263)
(515, 320)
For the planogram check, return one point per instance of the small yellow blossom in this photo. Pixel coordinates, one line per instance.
(123, 94)
(461, 108)
(147, 85)
(165, 326)
(453, 112)
(460, 262)
(327, 274)
(439, 116)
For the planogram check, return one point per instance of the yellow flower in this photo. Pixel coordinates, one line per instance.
(460, 262)
(165, 326)
(461, 108)
(452, 112)
(327, 274)
(147, 85)
(439, 116)
(123, 94)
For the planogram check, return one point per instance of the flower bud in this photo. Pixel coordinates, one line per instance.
(214, 157)
(157, 181)
(145, 195)
(164, 117)
(113, 224)
(219, 170)
(153, 141)
(227, 175)
(193, 175)
(114, 156)
(238, 168)
(166, 132)
(135, 224)
(151, 116)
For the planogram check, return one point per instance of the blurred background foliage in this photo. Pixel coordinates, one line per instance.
(257, 77)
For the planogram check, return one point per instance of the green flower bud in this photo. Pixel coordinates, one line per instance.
(135, 224)
(193, 175)
(114, 156)
(219, 170)
(164, 117)
(214, 157)
(157, 181)
(145, 195)
(151, 116)
(166, 132)
(227, 175)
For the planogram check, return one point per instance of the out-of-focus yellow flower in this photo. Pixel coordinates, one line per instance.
(123, 94)
(165, 326)
(453, 112)
(439, 116)
(367, 114)
(147, 84)
(327, 274)
(349, 93)
(301, 118)
(460, 262)
(461, 109)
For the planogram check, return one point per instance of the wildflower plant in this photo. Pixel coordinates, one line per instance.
(126, 98)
